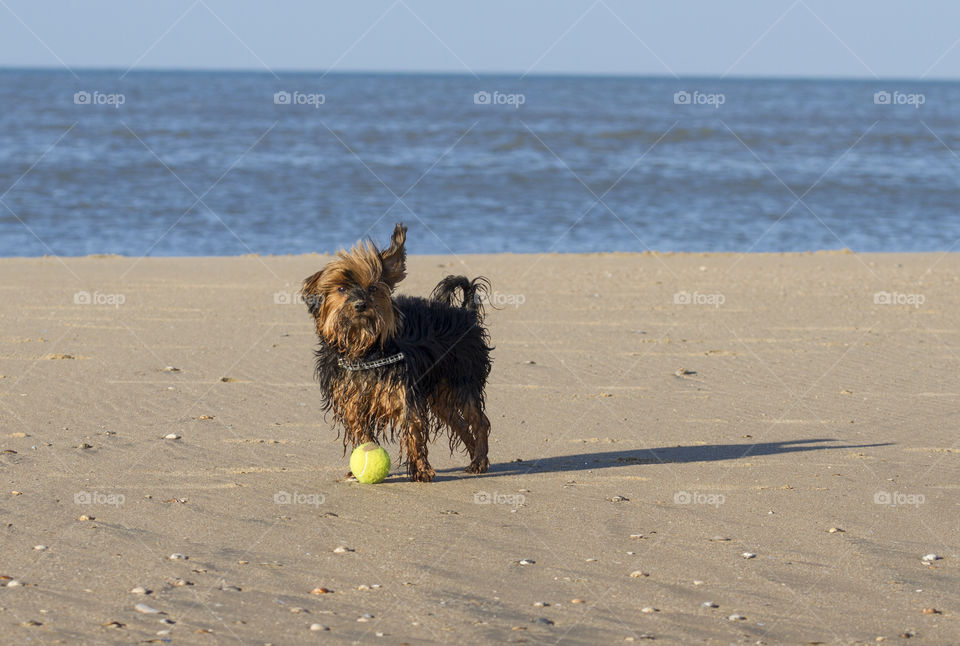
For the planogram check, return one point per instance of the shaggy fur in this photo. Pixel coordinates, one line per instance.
(438, 385)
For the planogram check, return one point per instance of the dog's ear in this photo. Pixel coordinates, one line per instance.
(311, 292)
(394, 258)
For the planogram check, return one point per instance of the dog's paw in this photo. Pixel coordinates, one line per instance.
(423, 475)
(479, 466)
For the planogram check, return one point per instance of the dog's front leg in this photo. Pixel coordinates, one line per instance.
(415, 443)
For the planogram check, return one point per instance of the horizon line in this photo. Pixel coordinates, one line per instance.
(520, 75)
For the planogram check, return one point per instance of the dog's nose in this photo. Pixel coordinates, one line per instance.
(360, 306)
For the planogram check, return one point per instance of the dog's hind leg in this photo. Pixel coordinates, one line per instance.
(445, 408)
(480, 428)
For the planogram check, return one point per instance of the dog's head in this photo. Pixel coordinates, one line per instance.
(350, 297)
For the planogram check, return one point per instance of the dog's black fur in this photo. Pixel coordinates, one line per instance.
(439, 384)
(443, 345)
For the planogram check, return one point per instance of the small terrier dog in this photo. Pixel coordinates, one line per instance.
(401, 366)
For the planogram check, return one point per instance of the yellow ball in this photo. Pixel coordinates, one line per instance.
(369, 463)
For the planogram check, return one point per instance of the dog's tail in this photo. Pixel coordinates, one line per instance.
(474, 293)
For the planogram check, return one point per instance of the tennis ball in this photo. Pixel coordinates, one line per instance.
(370, 463)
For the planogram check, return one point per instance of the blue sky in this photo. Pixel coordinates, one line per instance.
(810, 38)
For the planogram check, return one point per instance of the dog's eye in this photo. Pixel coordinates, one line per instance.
(342, 290)
(372, 289)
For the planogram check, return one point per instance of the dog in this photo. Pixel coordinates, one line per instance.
(401, 367)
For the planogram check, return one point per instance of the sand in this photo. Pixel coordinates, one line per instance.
(643, 407)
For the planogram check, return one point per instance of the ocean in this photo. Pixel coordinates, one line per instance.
(224, 163)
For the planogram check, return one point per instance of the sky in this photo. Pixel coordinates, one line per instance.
(715, 38)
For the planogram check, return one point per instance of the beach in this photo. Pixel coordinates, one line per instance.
(685, 448)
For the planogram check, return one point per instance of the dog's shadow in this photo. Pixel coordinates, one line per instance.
(659, 455)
